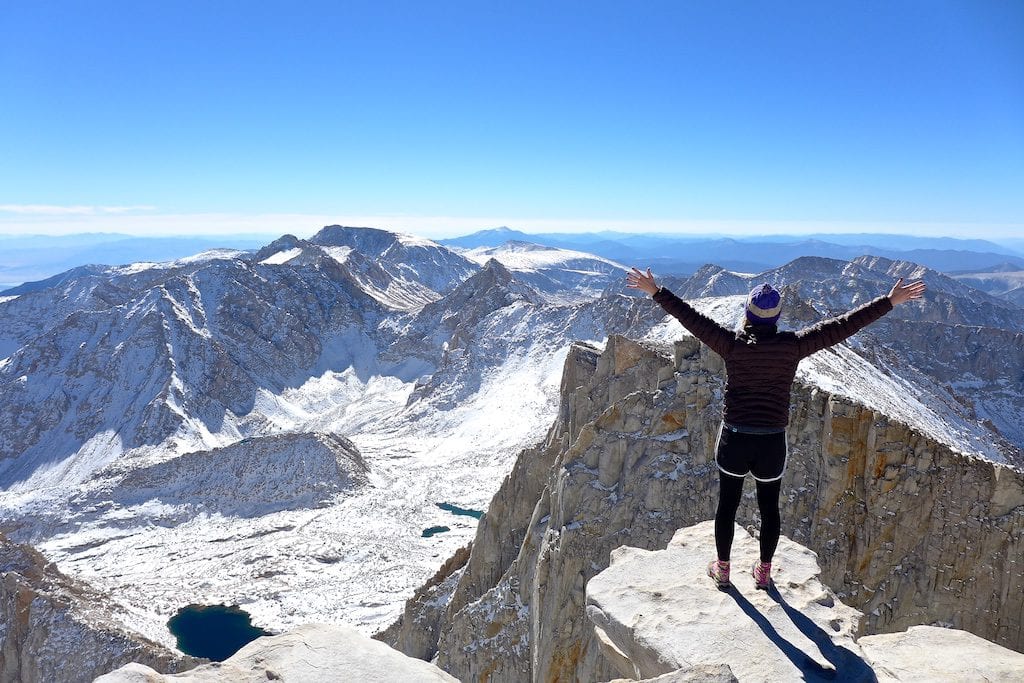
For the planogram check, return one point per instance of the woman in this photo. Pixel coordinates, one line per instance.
(760, 364)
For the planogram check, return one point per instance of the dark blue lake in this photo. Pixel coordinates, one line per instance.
(213, 631)
(456, 510)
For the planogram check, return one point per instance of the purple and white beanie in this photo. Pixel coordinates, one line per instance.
(764, 305)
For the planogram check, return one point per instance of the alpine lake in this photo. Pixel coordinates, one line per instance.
(213, 631)
(455, 510)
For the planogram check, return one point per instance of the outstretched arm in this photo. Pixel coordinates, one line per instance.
(835, 330)
(702, 327)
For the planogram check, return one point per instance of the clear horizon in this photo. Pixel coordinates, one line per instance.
(444, 228)
(448, 118)
(1012, 241)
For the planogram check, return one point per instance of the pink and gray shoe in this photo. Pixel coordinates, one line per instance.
(762, 573)
(719, 572)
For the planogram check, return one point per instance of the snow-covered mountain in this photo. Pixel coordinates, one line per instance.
(1004, 280)
(684, 254)
(178, 406)
(280, 429)
(560, 274)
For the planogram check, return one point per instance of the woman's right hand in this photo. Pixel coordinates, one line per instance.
(900, 293)
(639, 280)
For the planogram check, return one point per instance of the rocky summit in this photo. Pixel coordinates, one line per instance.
(906, 530)
(656, 615)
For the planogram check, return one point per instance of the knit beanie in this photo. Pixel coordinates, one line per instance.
(764, 305)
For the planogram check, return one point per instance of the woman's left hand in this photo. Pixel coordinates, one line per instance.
(639, 280)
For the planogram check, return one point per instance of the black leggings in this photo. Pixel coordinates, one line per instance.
(729, 502)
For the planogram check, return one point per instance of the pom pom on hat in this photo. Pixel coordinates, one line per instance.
(764, 305)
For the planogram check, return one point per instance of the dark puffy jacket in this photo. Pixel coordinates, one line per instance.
(761, 369)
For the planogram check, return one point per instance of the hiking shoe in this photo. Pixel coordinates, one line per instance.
(762, 572)
(719, 572)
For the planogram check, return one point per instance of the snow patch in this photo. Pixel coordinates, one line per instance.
(281, 257)
(100, 450)
(530, 257)
(133, 268)
(209, 255)
(339, 254)
(414, 241)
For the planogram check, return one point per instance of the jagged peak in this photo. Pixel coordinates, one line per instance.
(491, 287)
(713, 280)
(495, 267)
(370, 241)
(803, 268)
(873, 262)
(349, 235)
(286, 241)
(282, 245)
(708, 269)
(496, 278)
(809, 265)
(901, 268)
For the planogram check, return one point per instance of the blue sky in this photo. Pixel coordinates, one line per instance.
(446, 117)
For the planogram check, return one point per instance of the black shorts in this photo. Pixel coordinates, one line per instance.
(762, 455)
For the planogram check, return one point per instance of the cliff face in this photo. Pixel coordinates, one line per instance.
(53, 628)
(907, 530)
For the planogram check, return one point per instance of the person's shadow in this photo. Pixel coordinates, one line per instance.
(846, 665)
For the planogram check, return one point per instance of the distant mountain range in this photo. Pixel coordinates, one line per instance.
(34, 257)
(27, 258)
(1005, 280)
(685, 254)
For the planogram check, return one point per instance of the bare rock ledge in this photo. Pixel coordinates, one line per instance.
(314, 653)
(657, 616)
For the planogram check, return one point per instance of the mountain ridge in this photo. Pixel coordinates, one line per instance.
(148, 363)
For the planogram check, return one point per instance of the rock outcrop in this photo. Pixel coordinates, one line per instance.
(313, 653)
(929, 653)
(907, 530)
(656, 613)
(53, 628)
